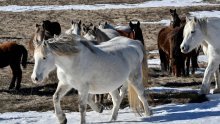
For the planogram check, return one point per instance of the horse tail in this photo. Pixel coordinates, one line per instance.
(145, 69)
(24, 56)
(134, 102)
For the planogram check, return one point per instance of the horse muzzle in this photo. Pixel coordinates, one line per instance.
(184, 48)
(37, 79)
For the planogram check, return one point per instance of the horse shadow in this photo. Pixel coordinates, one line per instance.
(44, 90)
(183, 112)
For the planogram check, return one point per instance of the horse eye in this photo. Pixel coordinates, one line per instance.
(192, 32)
(44, 58)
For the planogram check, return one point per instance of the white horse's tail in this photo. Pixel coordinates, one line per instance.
(134, 102)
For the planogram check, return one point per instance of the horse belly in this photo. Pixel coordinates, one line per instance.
(105, 87)
(108, 83)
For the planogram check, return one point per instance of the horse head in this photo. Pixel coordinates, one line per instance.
(75, 28)
(175, 20)
(136, 29)
(193, 34)
(86, 28)
(44, 63)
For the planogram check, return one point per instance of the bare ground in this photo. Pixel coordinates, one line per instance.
(20, 26)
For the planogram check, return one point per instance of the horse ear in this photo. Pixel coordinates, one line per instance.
(130, 24)
(79, 23)
(94, 28)
(187, 19)
(138, 24)
(174, 10)
(91, 24)
(171, 11)
(195, 19)
(106, 23)
(37, 25)
(72, 22)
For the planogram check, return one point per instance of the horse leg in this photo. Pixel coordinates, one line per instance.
(96, 106)
(12, 84)
(162, 60)
(61, 90)
(19, 77)
(83, 97)
(116, 104)
(217, 82)
(187, 65)
(211, 68)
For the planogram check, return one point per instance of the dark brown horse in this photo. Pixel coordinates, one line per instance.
(179, 59)
(13, 54)
(43, 32)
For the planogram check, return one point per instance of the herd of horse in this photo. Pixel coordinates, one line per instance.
(112, 59)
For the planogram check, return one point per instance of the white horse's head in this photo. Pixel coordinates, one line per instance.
(193, 34)
(75, 28)
(44, 63)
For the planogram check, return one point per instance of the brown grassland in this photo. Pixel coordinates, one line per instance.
(19, 27)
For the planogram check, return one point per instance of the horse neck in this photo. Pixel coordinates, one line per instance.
(176, 21)
(101, 36)
(139, 36)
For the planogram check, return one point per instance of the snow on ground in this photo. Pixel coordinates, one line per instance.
(192, 113)
(196, 113)
(201, 14)
(164, 22)
(162, 3)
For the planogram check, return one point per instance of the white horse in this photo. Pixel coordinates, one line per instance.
(118, 27)
(195, 32)
(93, 70)
(75, 28)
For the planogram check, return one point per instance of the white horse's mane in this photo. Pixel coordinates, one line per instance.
(64, 44)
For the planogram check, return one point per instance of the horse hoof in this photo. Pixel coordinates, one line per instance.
(17, 88)
(149, 113)
(101, 108)
(64, 121)
(11, 87)
(203, 92)
(216, 91)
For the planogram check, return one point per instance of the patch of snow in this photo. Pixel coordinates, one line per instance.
(162, 3)
(201, 14)
(164, 22)
(192, 113)
(203, 58)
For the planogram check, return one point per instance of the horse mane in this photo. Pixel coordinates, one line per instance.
(203, 25)
(67, 44)
(99, 37)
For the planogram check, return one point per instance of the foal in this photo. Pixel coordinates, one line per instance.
(12, 54)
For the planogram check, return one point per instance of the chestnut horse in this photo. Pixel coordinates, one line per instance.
(13, 54)
(44, 32)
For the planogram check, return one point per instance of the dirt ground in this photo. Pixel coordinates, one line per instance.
(19, 27)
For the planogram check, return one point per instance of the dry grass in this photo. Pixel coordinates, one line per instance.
(19, 27)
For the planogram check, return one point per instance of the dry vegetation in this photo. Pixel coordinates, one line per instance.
(20, 26)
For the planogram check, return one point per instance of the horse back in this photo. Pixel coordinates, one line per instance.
(10, 53)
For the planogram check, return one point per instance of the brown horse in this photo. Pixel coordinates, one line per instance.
(169, 40)
(43, 32)
(13, 54)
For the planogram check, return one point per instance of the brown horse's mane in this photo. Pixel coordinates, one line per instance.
(126, 34)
